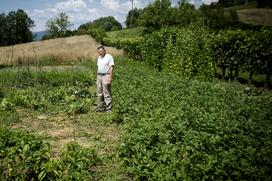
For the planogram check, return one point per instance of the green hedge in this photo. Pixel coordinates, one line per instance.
(196, 52)
(237, 51)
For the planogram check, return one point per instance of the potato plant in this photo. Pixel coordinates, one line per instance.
(178, 129)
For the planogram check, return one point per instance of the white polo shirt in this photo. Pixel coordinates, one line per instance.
(104, 63)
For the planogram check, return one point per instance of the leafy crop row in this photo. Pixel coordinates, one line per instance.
(174, 129)
(45, 91)
(24, 156)
(189, 130)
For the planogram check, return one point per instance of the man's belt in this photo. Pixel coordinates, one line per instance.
(102, 73)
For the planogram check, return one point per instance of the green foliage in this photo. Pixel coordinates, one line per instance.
(188, 54)
(174, 129)
(58, 27)
(7, 118)
(177, 129)
(249, 51)
(15, 28)
(131, 47)
(197, 52)
(186, 14)
(130, 40)
(126, 33)
(132, 18)
(24, 156)
(58, 91)
(263, 3)
(219, 18)
(77, 162)
(98, 34)
(157, 15)
(105, 23)
(185, 52)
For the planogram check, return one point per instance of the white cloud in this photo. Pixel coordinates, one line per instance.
(71, 5)
(75, 9)
(110, 4)
(94, 14)
(83, 11)
(208, 2)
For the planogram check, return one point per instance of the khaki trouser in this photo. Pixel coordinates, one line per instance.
(103, 92)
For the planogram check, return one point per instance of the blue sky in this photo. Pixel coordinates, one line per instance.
(79, 11)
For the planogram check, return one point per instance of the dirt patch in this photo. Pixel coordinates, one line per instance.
(60, 129)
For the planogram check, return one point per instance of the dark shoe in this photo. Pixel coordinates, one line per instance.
(99, 110)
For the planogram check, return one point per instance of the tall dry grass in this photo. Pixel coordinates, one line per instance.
(57, 51)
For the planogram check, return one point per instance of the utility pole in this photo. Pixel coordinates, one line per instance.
(131, 17)
(160, 13)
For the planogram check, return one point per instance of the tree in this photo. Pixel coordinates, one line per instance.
(23, 23)
(132, 18)
(2, 29)
(263, 3)
(219, 18)
(186, 14)
(15, 28)
(58, 26)
(225, 3)
(107, 24)
(157, 15)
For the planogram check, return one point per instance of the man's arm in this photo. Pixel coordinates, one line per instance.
(111, 73)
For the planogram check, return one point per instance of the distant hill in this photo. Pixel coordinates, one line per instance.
(38, 35)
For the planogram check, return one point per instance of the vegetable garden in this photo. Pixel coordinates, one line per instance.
(172, 128)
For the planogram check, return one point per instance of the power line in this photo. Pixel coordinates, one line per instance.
(131, 13)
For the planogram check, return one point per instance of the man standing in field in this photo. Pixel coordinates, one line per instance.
(105, 65)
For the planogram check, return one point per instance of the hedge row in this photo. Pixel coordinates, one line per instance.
(198, 52)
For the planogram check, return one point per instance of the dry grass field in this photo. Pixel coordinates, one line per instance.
(60, 51)
(256, 16)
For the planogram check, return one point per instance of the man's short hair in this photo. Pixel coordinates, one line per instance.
(100, 47)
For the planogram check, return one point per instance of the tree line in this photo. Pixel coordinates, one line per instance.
(15, 28)
(216, 16)
(230, 3)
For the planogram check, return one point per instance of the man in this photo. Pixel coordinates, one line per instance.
(105, 65)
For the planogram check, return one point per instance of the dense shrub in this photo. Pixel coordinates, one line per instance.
(185, 52)
(238, 51)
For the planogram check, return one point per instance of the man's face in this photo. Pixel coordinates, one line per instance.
(101, 52)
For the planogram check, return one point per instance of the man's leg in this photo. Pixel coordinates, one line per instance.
(107, 92)
(99, 91)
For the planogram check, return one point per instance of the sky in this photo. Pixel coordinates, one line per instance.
(78, 11)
